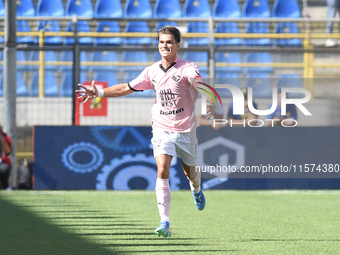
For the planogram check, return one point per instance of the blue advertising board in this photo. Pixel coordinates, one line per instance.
(121, 158)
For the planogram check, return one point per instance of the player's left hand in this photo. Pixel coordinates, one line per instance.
(88, 92)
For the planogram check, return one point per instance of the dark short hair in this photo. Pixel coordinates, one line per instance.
(170, 30)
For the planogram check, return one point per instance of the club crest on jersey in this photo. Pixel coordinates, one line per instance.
(176, 78)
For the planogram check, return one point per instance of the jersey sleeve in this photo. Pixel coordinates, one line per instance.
(193, 74)
(142, 82)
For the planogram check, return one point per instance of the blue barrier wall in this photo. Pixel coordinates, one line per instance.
(120, 158)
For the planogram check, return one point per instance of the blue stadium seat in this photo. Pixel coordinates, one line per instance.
(138, 9)
(196, 9)
(287, 27)
(200, 58)
(25, 8)
(109, 27)
(167, 9)
(227, 27)
(81, 8)
(22, 26)
(67, 56)
(137, 26)
(110, 77)
(49, 56)
(161, 24)
(198, 27)
(258, 57)
(22, 58)
(104, 56)
(286, 9)
(2, 59)
(82, 26)
(292, 80)
(135, 57)
(256, 27)
(226, 9)
(228, 57)
(108, 9)
(66, 88)
(53, 8)
(2, 40)
(156, 57)
(21, 85)
(260, 83)
(50, 85)
(21, 89)
(49, 25)
(256, 9)
(227, 79)
(2, 9)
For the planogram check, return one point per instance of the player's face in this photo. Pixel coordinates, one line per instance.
(167, 46)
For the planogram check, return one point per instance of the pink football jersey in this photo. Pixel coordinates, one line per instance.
(174, 107)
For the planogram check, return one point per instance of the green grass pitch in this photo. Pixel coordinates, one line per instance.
(111, 222)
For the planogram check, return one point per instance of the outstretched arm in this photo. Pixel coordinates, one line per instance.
(93, 92)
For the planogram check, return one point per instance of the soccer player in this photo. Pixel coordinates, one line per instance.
(174, 122)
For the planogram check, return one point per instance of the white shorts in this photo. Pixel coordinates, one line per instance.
(182, 145)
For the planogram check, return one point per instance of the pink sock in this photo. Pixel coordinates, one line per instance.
(163, 198)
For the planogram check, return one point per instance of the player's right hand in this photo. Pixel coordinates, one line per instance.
(87, 92)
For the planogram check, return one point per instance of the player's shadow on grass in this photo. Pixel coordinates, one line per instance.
(22, 232)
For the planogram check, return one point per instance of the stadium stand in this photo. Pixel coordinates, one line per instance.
(197, 9)
(49, 25)
(291, 80)
(2, 9)
(227, 78)
(260, 83)
(22, 26)
(66, 87)
(21, 85)
(104, 56)
(81, 8)
(198, 27)
(134, 57)
(138, 9)
(108, 26)
(67, 56)
(82, 26)
(1, 59)
(255, 9)
(287, 27)
(256, 27)
(21, 57)
(286, 9)
(21, 89)
(137, 26)
(108, 76)
(25, 8)
(49, 56)
(50, 85)
(200, 58)
(228, 57)
(2, 40)
(258, 57)
(108, 9)
(53, 8)
(167, 9)
(224, 9)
